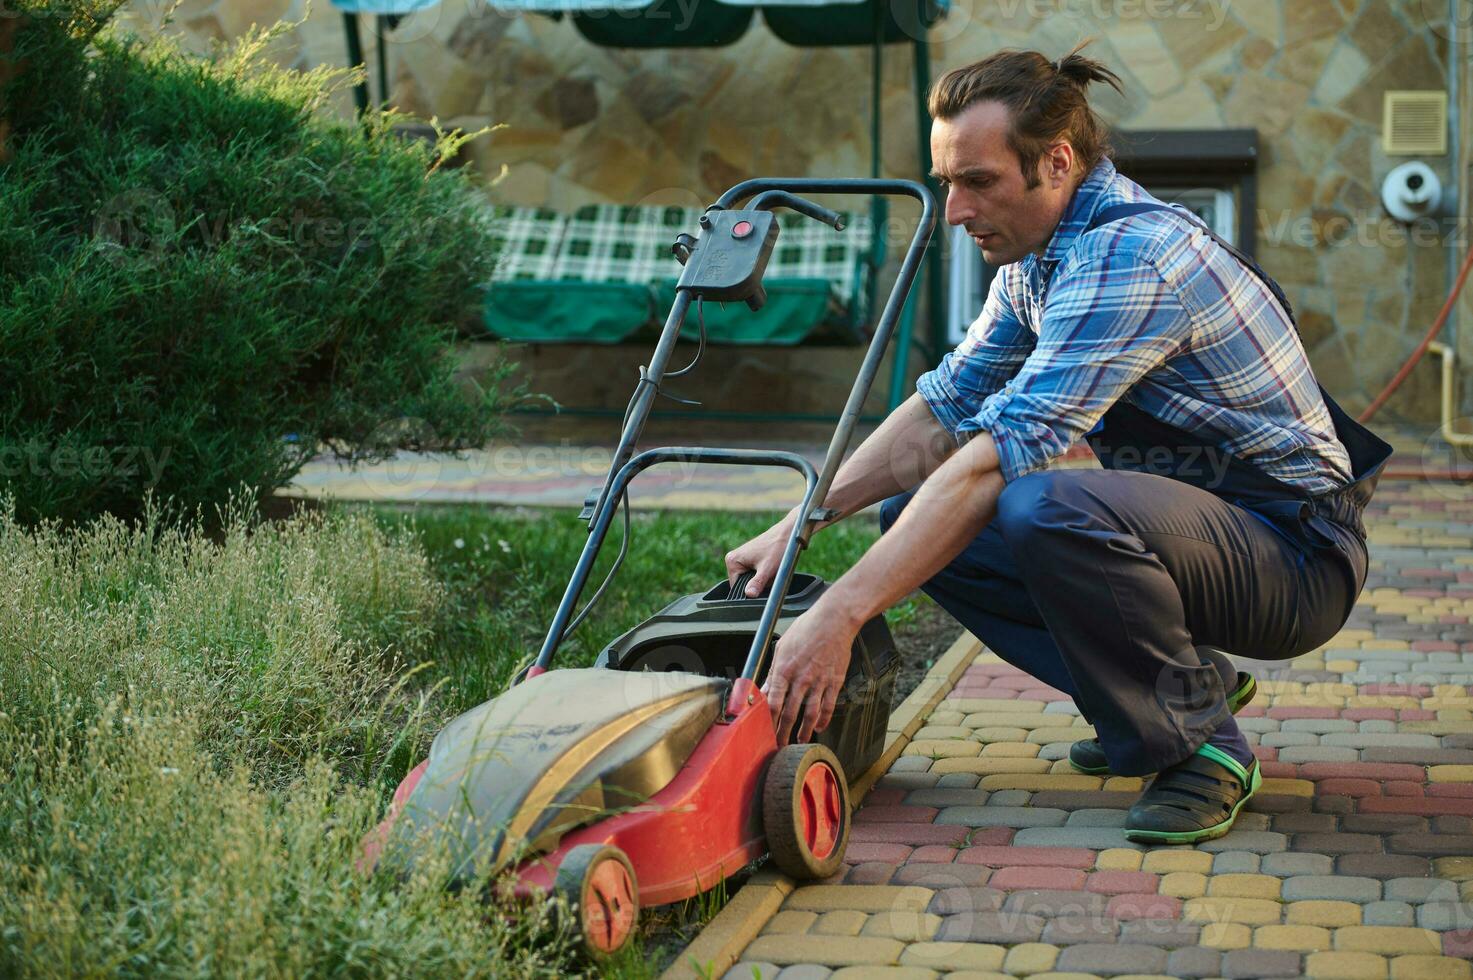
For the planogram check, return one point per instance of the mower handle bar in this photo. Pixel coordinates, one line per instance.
(768, 200)
(622, 469)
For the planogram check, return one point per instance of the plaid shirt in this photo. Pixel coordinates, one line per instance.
(1146, 309)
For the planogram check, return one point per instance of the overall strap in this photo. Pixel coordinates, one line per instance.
(1117, 211)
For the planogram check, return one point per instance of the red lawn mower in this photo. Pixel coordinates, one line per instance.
(656, 774)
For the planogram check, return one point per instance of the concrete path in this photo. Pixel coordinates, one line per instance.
(981, 854)
(561, 473)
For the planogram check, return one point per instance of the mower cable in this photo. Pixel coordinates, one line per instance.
(624, 496)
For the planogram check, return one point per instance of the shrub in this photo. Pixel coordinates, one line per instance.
(204, 279)
(191, 749)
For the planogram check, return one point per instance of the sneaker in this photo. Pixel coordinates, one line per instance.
(1088, 755)
(1196, 800)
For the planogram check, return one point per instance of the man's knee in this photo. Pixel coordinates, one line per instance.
(1024, 504)
(891, 507)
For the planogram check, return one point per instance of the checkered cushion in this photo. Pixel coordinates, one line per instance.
(527, 241)
(807, 249)
(614, 243)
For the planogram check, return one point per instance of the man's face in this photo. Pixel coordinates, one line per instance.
(985, 190)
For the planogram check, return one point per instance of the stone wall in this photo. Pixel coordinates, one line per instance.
(585, 124)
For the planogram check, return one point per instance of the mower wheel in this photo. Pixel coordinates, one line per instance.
(805, 811)
(598, 883)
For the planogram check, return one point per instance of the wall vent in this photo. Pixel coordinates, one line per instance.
(1414, 123)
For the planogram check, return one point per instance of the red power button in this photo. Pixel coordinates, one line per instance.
(741, 229)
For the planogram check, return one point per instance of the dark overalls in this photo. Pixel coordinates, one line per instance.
(1103, 583)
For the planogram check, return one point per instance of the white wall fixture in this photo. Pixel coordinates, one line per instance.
(1412, 191)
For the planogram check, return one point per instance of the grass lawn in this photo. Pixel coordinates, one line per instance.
(197, 731)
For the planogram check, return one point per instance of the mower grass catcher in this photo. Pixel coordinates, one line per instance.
(655, 774)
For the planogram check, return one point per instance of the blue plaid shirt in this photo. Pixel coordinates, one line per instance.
(1148, 309)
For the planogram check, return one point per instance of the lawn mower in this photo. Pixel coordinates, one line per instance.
(656, 774)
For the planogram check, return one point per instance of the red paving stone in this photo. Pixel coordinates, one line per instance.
(906, 833)
(1123, 883)
(1144, 907)
(1054, 879)
(862, 852)
(1029, 857)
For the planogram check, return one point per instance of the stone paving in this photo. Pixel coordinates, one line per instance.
(981, 853)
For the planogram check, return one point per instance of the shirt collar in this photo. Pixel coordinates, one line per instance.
(1087, 200)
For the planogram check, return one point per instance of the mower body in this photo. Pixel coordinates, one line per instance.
(641, 752)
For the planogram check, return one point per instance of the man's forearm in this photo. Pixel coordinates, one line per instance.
(907, 447)
(950, 509)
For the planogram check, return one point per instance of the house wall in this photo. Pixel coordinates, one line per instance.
(585, 124)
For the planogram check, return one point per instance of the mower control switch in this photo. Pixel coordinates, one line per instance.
(730, 257)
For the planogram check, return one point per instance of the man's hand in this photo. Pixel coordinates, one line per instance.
(808, 669)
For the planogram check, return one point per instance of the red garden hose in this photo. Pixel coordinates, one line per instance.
(1437, 325)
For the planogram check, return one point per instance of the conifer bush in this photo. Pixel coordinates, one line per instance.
(205, 278)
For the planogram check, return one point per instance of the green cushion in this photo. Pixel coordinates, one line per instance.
(567, 312)
(795, 308)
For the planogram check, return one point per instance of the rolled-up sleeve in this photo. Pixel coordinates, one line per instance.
(996, 346)
(1108, 323)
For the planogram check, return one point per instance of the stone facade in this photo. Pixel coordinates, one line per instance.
(587, 124)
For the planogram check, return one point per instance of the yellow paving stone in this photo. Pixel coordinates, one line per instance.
(1455, 714)
(1118, 859)
(1124, 784)
(946, 718)
(1419, 967)
(1043, 736)
(1010, 750)
(790, 922)
(1184, 884)
(1436, 727)
(1026, 958)
(1453, 868)
(1243, 886)
(883, 973)
(1341, 666)
(1248, 911)
(1287, 787)
(954, 956)
(1176, 859)
(942, 748)
(990, 766)
(1347, 637)
(824, 950)
(1040, 782)
(1385, 645)
(1448, 690)
(1421, 618)
(1322, 913)
(1225, 935)
(999, 734)
(929, 732)
(1063, 767)
(862, 898)
(1024, 721)
(1437, 704)
(909, 927)
(840, 922)
(1345, 966)
(976, 975)
(1303, 938)
(1387, 939)
(1310, 701)
(1450, 774)
(995, 706)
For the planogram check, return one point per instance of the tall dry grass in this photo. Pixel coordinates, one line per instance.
(195, 734)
